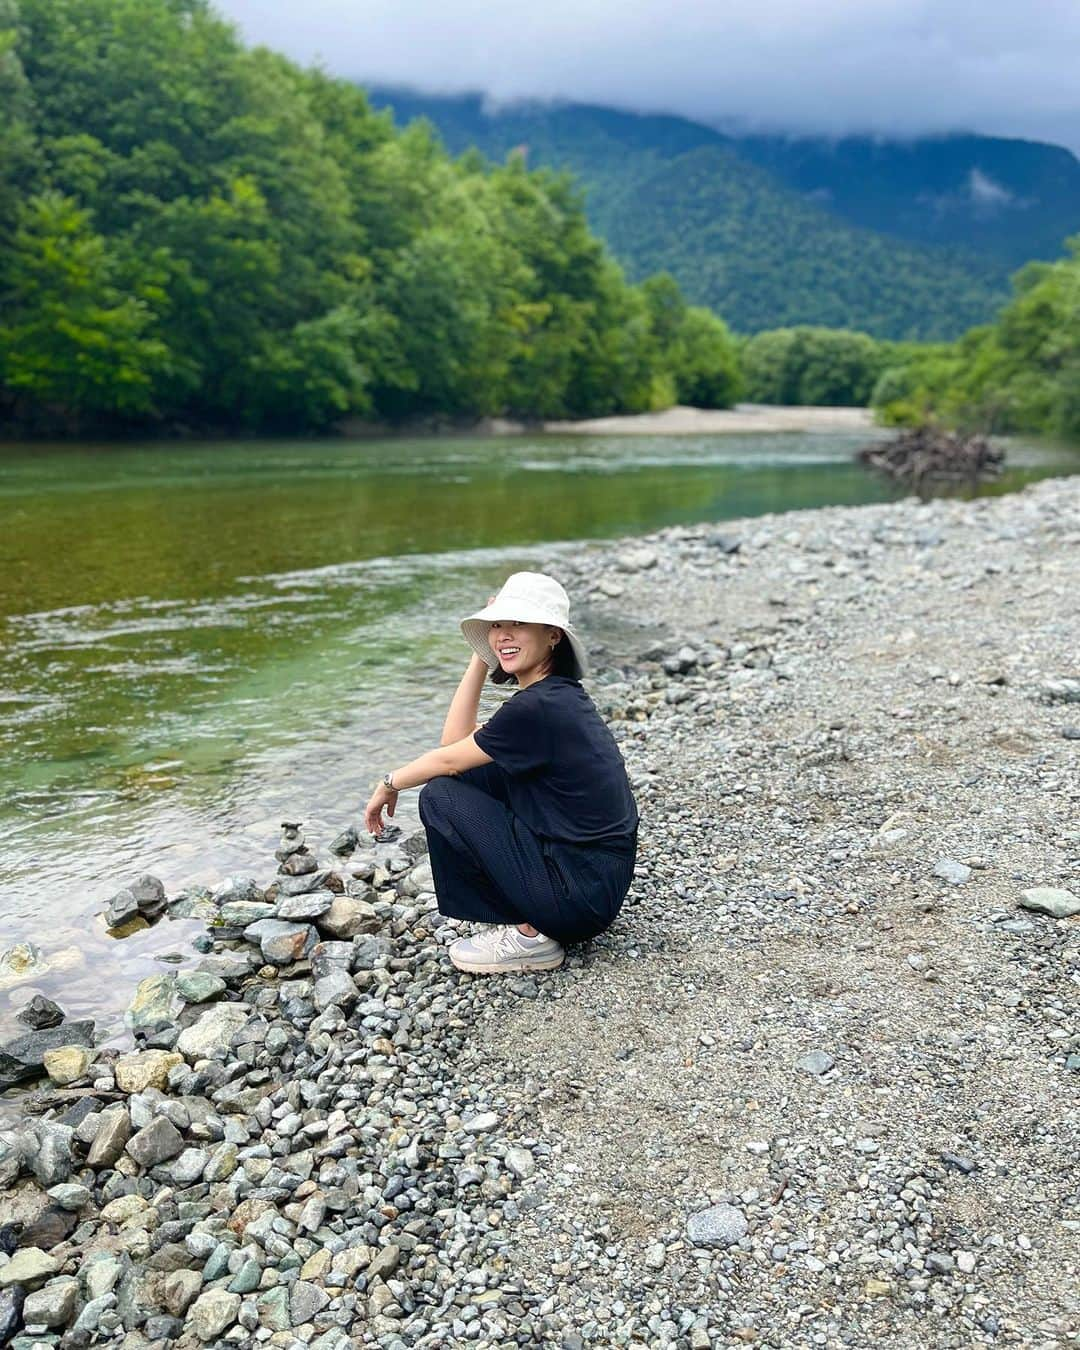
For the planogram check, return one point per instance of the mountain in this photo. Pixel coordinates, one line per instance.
(912, 240)
(1013, 199)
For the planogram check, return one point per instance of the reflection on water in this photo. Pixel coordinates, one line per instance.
(199, 641)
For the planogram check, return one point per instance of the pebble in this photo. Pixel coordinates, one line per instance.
(718, 1226)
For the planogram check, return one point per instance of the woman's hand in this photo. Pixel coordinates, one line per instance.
(382, 796)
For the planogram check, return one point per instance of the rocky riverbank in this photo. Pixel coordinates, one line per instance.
(815, 1088)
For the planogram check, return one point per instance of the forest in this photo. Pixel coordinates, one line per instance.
(814, 236)
(1021, 373)
(197, 236)
(1018, 374)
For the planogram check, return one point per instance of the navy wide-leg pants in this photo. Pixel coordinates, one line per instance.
(489, 867)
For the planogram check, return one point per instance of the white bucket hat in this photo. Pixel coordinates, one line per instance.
(529, 597)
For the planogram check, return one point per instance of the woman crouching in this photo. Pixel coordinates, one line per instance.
(531, 823)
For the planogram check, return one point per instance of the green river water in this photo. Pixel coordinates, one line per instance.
(198, 641)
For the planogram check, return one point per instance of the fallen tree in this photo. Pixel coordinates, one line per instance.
(926, 456)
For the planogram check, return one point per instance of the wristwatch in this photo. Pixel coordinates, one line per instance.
(388, 782)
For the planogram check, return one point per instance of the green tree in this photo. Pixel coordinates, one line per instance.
(79, 336)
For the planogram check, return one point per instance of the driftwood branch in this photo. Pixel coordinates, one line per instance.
(926, 456)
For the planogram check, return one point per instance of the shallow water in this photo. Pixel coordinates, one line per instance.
(197, 641)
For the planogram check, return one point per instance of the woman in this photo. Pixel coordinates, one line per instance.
(531, 823)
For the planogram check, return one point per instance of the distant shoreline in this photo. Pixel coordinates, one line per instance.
(744, 417)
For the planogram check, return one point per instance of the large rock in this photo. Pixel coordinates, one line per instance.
(67, 1063)
(145, 1069)
(21, 962)
(113, 1132)
(11, 1306)
(197, 986)
(186, 1168)
(305, 1301)
(50, 1155)
(368, 949)
(328, 956)
(347, 917)
(155, 1004)
(193, 902)
(719, 1226)
(335, 989)
(181, 1287)
(239, 913)
(39, 1013)
(322, 880)
(213, 1031)
(145, 896)
(149, 893)
(280, 942)
(1061, 904)
(54, 1305)
(310, 905)
(347, 842)
(418, 879)
(212, 1312)
(155, 1143)
(23, 1057)
(29, 1266)
(238, 888)
(122, 908)
(299, 863)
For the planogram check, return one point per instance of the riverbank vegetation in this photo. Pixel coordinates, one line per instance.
(196, 235)
(1018, 374)
(1021, 373)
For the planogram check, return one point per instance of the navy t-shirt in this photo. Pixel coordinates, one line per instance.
(567, 780)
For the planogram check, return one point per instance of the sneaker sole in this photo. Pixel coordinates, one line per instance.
(508, 967)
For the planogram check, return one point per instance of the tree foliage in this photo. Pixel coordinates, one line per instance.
(1019, 374)
(813, 366)
(196, 233)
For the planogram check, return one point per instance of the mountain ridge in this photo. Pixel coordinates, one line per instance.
(773, 231)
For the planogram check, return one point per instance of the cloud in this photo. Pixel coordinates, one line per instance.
(986, 191)
(895, 67)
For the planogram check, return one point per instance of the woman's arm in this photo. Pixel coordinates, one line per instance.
(461, 719)
(445, 761)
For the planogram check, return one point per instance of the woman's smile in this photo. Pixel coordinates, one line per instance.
(523, 648)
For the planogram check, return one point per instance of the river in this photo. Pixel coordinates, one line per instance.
(200, 640)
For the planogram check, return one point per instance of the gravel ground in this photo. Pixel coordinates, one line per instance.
(816, 1087)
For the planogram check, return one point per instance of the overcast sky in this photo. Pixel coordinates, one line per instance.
(891, 66)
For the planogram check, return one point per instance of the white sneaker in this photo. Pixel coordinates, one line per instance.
(503, 950)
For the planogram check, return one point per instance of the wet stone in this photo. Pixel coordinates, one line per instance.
(236, 889)
(39, 1013)
(155, 1143)
(196, 986)
(298, 864)
(23, 1057)
(346, 842)
(155, 1003)
(280, 942)
(239, 913)
(309, 905)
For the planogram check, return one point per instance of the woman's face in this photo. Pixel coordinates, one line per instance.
(522, 648)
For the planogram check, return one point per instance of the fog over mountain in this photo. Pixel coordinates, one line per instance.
(891, 67)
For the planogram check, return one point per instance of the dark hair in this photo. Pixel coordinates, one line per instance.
(562, 662)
